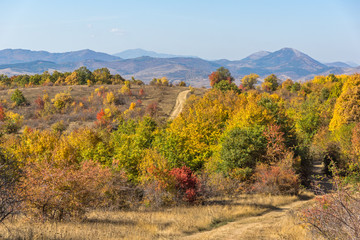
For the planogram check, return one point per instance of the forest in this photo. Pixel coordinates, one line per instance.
(258, 138)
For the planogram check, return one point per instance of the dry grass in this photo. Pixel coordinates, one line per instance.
(170, 223)
(164, 96)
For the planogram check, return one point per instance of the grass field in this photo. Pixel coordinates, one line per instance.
(169, 223)
(165, 97)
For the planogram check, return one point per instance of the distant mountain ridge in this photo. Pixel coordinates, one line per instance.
(9, 56)
(138, 52)
(285, 63)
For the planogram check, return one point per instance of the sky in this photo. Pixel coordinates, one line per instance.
(327, 30)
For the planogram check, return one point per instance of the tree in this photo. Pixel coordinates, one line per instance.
(226, 86)
(271, 83)
(83, 75)
(249, 81)
(242, 148)
(18, 98)
(219, 75)
(102, 76)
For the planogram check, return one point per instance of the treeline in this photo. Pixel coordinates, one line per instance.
(81, 76)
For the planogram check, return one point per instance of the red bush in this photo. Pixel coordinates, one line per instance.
(187, 184)
(39, 102)
(2, 113)
(152, 109)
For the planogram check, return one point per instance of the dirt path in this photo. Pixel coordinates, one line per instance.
(251, 227)
(180, 101)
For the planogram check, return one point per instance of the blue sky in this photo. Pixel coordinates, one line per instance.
(326, 30)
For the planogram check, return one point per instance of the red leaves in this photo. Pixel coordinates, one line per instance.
(214, 78)
(2, 113)
(187, 183)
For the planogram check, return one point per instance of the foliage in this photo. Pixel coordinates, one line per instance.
(335, 216)
(63, 192)
(271, 83)
(18, 98)
(242, 148)
(224, 86)
(9, 192)
(276, 180)
(187, 184)
(249, 81)
(62, 101)
(221, 74)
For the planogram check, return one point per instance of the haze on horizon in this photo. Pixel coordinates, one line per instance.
(326, 30)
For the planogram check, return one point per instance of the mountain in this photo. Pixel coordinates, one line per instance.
(256, 56)
(338, 64)
(138, 52)
(285, 63)
(10, 56)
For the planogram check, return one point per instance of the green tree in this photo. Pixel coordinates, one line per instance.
(102, 76)
(226, 86)
(242, 148)
(18, 98)
(83, 74)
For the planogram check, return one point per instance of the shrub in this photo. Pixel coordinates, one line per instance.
(18, 98)
(2, 113)
(13, 122)
(39, 102)
(182, 84)
(62, 101)
(164, 187)
(336, 215)
(276, 180)
(63, 192)
(59, 127)
(9, 177)
(187, 184)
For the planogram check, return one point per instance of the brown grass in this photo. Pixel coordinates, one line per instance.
(164, 96)
(170, 223)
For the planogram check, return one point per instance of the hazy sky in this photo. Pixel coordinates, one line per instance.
(328, 30)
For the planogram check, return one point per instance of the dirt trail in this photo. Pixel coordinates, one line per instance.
(180, 101)
(258, 227)
(250, 227)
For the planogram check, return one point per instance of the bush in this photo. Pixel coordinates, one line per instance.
(336, 215)
(176, 186)
(63, 192)
(187, 184)
(62, 101)
(9, 176)
(276, 180)
(18, 98)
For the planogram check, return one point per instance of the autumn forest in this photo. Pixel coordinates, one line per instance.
(75, 143)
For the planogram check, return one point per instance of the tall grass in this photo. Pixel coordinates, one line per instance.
(170, 223)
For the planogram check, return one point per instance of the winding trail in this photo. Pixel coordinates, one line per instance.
(180, 102)
(250, 227)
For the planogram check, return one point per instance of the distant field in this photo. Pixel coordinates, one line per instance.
(164, 97)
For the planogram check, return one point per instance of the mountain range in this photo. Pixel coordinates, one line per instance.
(146, 65)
